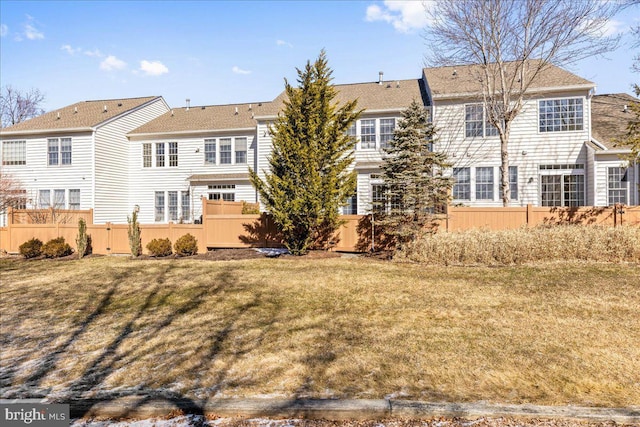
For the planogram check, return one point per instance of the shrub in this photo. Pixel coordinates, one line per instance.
(159, 247)
(82, 241)
(250, 208)
(56, 248)
(133, 232)
(31, 248)
(186, 245)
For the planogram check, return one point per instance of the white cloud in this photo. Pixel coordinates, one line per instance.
(70, 50)
(4, 30)
(153, 68)
(94, 53)
(239, 70)
(404, 15)
(111, 63)
(613, 28)
(283, 43)
(30, 30)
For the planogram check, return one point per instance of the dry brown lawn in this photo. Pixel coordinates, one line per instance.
(558, 333)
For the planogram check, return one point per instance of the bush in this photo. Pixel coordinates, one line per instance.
(159, 247)
(133, 233)
(31, 248)
(186, 245)
(56, 248)
(83, 240)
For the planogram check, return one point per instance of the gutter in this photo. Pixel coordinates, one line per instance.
(48, 131)
(530, 91)
(188, 132)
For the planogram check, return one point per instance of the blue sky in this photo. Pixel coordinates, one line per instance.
(217, 52)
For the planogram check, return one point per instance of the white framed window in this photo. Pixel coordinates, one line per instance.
(560, 115)
(44, 199)
(159, 207)
(462, 183)
(617, 187)
(513, 182)
(225, 192)
(146, 155)
(225, 151)
(173, 154)
(241, 150)
(368, 133)
(173, 205)
(351, 208)
(386, 131)
(160, 154)
(59, 199)
(562, 185)
(484, 183)
(185, 206)
(14, 153)
(59, 151)
(209, 151)
(74, 199)
(476, 122)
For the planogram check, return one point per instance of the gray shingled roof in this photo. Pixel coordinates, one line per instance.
(372, 96)
(461, 80)
(609, 119)
(204, 118)
(80, 116)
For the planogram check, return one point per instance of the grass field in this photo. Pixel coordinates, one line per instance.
(558, 333)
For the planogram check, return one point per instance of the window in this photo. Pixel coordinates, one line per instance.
(210, 151)
(513, 182)
(368, 133)
(462, 184)
(484, 183)
(386, 131)
(225, 151)
(241, 150)
(146, 155)
(59, 151)
(159, 206)
(59, 199)
(173, 154)
(378, 197)
(562, 190)
(225, 195)
(74, 199)
(185, 214)
(351, 208)
(44, 199)
(52, 151)
(14, 153)
(560, 115)
(473, 120)
(173, 205)
(160, 155)
(476, 122)
(351, 131)
(616, 185)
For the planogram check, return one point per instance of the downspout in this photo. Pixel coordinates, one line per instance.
(93, 173)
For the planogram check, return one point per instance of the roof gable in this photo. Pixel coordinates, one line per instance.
(79, 116)
(609, 119)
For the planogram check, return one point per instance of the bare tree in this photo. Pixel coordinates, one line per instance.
(12, 194)
(512, 42)
(17, 106)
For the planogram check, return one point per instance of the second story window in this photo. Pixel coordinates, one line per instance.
(14, 153)
(164, 154)
(58, 151)
(368, 133)
(160, 153)
(386, 131)
(560, 115)
(476, 122)
(146, 155)
(241, 150)
(225, 151)
(173, 154)
(209, 151)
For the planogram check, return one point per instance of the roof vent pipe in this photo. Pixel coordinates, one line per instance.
(380, 74)
(236, 110)
(188, 103)
(105, 108)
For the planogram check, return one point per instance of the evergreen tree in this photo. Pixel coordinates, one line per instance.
(415, 185)
(310, 175)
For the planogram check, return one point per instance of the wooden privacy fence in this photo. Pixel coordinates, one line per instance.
(234, 230)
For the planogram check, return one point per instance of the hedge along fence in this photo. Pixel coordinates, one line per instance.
(241, 231)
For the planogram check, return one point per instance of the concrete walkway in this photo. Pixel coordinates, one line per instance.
(335, 409)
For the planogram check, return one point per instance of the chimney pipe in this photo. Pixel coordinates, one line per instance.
(188, 103)
(380, 74)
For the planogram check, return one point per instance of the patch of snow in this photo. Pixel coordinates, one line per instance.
(272, 252)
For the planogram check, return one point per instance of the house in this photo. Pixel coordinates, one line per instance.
(72, 158)
(114, 155)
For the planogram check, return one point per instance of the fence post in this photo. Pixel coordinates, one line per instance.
(529, 214)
